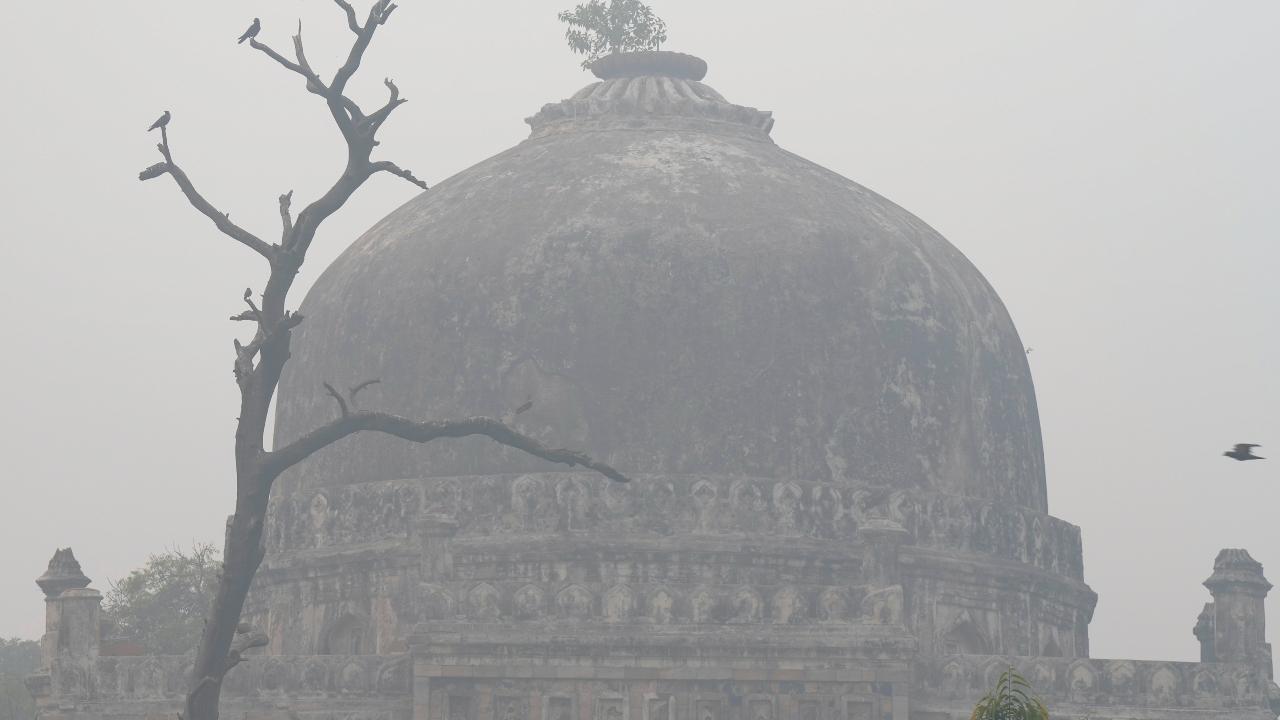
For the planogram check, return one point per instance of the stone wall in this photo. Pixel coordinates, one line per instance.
(947, 687)
(475, 672)
(573, 699)
(665, 549)
(261, 688)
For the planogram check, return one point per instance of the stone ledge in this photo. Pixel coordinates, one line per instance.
(1098, 684)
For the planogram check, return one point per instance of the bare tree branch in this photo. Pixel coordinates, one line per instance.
(356, 390)
(345, 110)
(286, 219)
(390, 167)
(267, 332)
(154, 171)
(375, 120)
(243, 365)
(220, 219)
(384, 10)
(342, 402)
(253, 307)
(378, 14)
(348, 403)
(301, 54)
(312, 78)
(246, 638)
(352, 22)
(280, 460)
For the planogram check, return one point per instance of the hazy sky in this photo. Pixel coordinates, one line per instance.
(1111, 167)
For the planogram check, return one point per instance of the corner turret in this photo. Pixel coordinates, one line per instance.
(1235, 629)
(73, 631)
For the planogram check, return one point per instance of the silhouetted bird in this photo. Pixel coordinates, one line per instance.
(164, 120)
(252, 32)
(525, 407)
(1244, 451)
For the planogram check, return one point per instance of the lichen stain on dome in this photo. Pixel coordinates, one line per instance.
(677, 295)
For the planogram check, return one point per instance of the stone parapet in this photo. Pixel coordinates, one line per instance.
(475, 672)
(259, 688)
(947, 687)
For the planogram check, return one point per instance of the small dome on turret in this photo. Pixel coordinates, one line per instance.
(63, 574)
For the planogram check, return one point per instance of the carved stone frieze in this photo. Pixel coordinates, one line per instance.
(1097, 682)
(663, 505)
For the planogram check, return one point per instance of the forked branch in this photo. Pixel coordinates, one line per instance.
(220, 219)
(379, 116)
(314, 83)
(420, 432)
(347, 402)
(352, 22)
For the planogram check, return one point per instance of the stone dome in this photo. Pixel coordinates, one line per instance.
(677, 295)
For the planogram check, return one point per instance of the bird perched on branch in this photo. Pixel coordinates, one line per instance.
(161, 122)
(251, 33)
(1244, 451)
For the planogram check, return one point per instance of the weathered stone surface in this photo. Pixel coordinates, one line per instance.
(704, 549)
(677, 295)
(262, 688)
(1096, 688)
(1238, 623)
(663, 506)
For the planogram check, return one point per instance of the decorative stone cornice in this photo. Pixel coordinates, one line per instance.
(678, 648)
(1235, 570)
(648, 90)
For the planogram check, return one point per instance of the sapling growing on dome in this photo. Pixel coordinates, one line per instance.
(599, 27)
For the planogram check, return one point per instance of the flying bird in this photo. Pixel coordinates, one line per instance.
(161, 122)
(1244, 451)
(252, 32)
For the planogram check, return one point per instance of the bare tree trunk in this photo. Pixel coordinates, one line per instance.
(260, 362)
(241, 557)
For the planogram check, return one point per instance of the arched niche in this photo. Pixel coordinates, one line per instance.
(350, 634)
(965, 638)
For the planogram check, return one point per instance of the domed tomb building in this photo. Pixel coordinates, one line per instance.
(774, 352)
(838, 508)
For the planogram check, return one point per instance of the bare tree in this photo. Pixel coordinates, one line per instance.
(259, 362)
